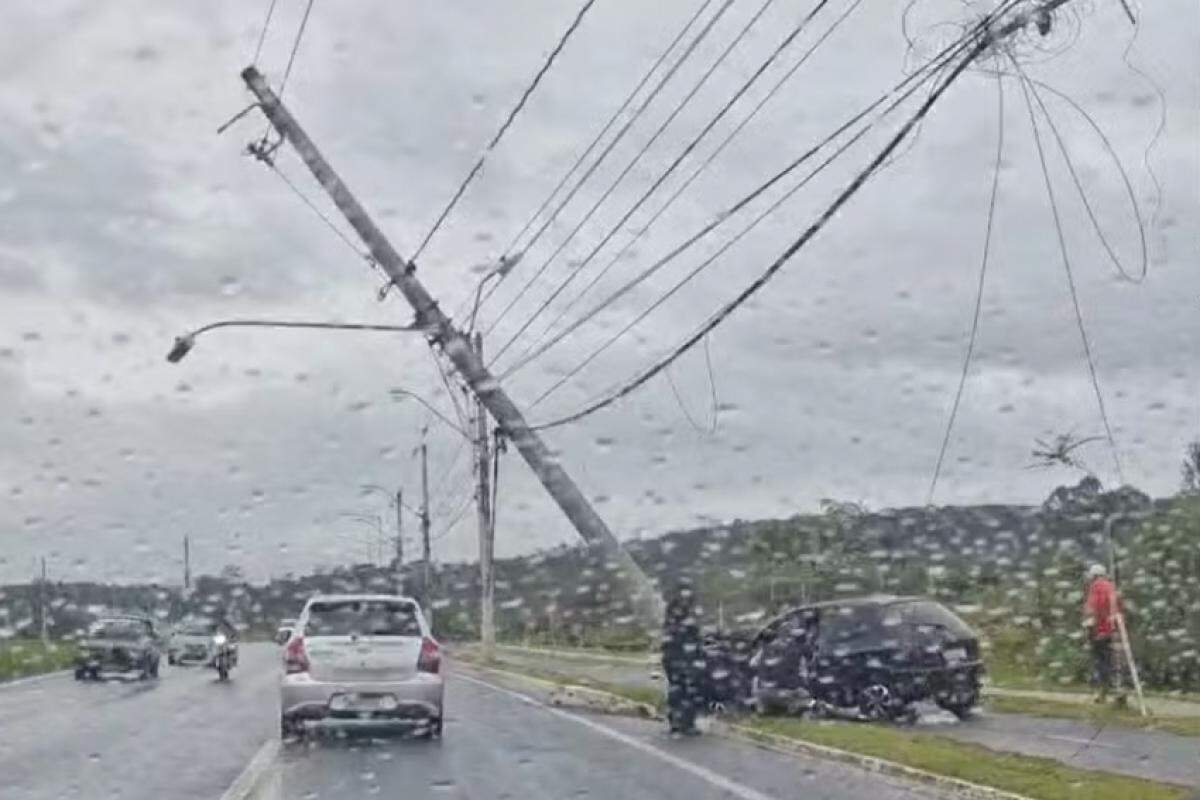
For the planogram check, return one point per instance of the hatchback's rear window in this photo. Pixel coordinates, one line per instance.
(362, 618)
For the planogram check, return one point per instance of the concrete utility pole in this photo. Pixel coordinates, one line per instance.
(399, 541)
(42, 604)
(487, 532)
(187, 564)
(646, 601)
(426, 551)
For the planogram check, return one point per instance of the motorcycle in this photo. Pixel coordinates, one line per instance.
(224, 656)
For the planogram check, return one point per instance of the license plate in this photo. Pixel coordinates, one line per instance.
(954, 655)
(363, 702)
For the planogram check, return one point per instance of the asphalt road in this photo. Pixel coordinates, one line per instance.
(502, 744)
(186, 736)
(182, 736)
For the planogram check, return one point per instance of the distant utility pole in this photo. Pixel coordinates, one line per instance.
(426, 551)
(187, 564)
(42, 604)
(646, 601)
(399, 541)
(487, 532)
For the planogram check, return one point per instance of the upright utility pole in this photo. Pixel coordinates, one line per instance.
(426, 552)
(487, 540)
(399, 541)
(42, 604)
(646, 601)
(187, 564)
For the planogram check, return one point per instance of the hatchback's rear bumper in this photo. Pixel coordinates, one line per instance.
(419, 697)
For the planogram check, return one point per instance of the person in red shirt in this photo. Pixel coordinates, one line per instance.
(1100, 610)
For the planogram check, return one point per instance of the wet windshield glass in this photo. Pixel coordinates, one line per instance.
(599, 399)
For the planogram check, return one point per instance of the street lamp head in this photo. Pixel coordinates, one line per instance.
(183, 345)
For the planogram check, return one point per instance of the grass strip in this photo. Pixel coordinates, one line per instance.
(20, 658)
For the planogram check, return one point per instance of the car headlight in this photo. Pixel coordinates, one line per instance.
(219, 639)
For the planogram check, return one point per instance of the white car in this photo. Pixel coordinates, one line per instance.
(355, 659)
(190, 643)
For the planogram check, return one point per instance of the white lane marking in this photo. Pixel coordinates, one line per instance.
(720, 781)
(247, 784)
(34, 679)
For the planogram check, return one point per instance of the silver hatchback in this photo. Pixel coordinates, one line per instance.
(358, 659)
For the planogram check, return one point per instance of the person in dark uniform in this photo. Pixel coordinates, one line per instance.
(683, 661)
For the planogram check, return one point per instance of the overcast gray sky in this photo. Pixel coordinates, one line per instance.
(124, 219)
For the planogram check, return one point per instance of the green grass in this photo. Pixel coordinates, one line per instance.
(1099, 714)
(23, 657)
(1034, 777)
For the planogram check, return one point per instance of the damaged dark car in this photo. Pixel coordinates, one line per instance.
(875, 655)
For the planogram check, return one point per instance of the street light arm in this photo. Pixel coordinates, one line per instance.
(453, 425)
(374, 487)
(184, 344)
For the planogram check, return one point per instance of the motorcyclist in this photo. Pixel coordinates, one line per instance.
(683, 661)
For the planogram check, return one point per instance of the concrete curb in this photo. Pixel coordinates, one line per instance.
(255, 781)
(788, 745)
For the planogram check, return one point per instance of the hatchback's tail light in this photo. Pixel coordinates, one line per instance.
(430, 659)
(295, 658)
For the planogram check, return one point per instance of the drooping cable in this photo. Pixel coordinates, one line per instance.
(1029, 93)
(983, 267)
(295, 48)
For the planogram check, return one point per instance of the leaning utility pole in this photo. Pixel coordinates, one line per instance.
(487, 533)
(442, 332)
(187, 564)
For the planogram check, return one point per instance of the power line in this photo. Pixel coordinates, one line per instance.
(504, 127)
(692, 178)
(329, 223)
(691, 48)
(607, 126)
(983, 266)
(608, 149)
(295, 47)
(981, 44)
(1029, 93)
(937, 63)
(703, 265)
(262, 36)
(458, 517)
(687, 151)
